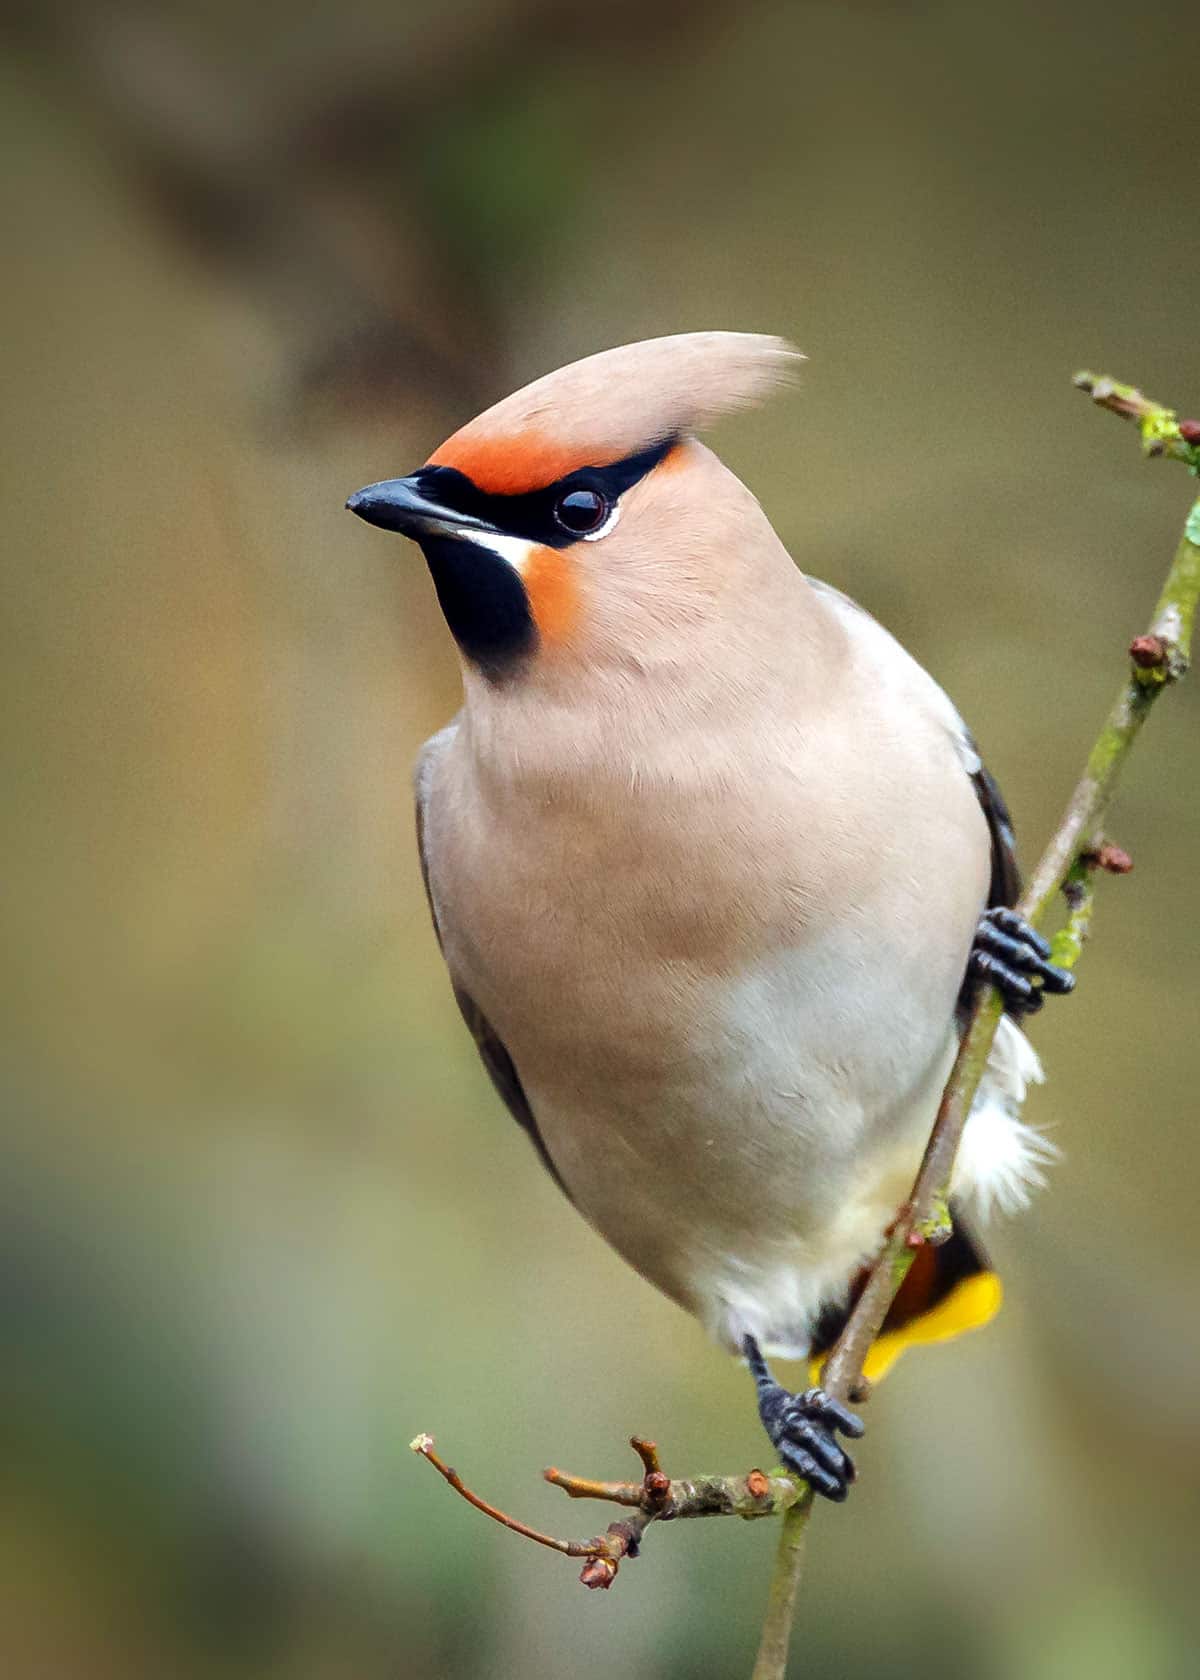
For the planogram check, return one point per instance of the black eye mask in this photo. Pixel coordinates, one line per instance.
(535, 514)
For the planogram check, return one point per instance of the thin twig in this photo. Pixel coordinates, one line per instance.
(776, 1635)
(582, 1487)
(1163, 433)
(648, 1453)
(656, 1498)
(423, 1445)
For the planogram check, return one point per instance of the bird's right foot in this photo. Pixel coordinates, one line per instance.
(801, 1429)
(1011, 956)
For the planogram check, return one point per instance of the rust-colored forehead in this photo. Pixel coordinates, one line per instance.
(510, 466)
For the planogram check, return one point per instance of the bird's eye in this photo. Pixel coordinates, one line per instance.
(581, 511)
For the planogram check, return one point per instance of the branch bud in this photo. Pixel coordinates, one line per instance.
(1115, 859)
(1149, 653)
(599, 1572)
(658, 1486)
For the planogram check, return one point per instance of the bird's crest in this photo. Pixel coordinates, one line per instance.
(610, 405)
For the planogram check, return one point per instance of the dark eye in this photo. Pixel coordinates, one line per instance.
(581, 511)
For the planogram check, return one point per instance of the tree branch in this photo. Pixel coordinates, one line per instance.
(1077, 850)
(656, 1498)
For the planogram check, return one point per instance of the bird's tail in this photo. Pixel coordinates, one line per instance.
(949, 1288)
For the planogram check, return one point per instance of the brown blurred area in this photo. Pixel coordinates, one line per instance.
(263, 1219)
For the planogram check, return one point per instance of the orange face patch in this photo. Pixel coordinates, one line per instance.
(553, 591)
(510, 466)
(673, 459)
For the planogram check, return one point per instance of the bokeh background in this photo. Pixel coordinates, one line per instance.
(263, 1218)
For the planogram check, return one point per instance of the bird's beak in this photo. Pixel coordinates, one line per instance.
(399, 504)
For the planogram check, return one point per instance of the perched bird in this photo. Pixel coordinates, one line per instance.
(713, 864)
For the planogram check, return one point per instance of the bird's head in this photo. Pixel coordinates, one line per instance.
(578, 516)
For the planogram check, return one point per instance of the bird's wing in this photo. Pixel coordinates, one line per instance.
(1005, 885)
(1006, 876)
(492, 1053)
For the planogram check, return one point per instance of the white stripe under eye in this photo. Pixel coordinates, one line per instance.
(603, 530)
(516, 550)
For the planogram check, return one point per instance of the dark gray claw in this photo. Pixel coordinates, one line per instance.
(819, 1480)
(801, 1429)
(1009, 955)
(832, 1412)
(1000, 916)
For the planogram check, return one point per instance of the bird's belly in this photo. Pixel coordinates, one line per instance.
(732, 1034)
(746, 1140)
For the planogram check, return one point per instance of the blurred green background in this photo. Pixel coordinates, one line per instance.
(263, 1219)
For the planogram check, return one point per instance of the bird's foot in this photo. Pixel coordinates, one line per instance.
(1009, 955)
(801, 1428)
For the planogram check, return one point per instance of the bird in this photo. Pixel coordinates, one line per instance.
(715, 868)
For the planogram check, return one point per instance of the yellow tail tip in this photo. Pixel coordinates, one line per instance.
(970, 1305)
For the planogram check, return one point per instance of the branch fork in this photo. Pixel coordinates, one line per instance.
(656, 1498)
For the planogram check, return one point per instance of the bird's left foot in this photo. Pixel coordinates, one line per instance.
(801, 1429)
(1009, 955)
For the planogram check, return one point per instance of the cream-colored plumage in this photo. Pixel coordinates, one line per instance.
(706, 865)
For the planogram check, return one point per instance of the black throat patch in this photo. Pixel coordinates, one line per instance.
(484, 603)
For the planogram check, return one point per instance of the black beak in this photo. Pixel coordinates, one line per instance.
(399, 504)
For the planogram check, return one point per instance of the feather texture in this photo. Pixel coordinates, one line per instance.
(1001, 1160)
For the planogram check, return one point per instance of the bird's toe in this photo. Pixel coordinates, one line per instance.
(1011, 956)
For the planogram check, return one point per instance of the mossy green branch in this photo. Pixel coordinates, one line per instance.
(1157, 658)
(1066, 947)
(1163, 433)
(776, 1635)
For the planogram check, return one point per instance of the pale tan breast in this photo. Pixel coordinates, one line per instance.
(595, 922)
